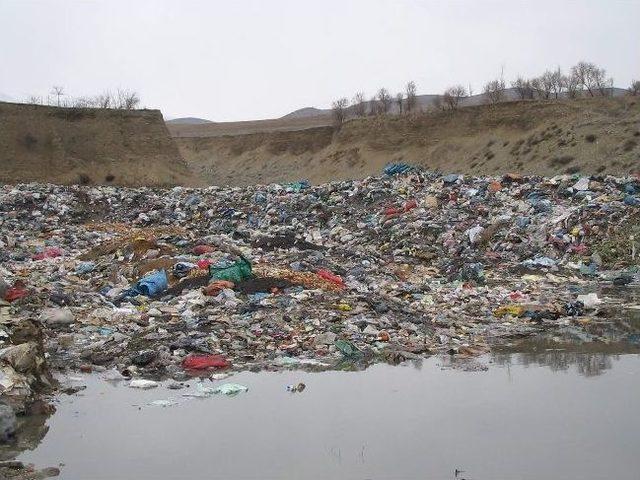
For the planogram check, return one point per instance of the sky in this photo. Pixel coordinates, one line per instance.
(228, 60)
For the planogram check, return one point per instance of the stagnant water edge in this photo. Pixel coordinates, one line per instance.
(540, 409)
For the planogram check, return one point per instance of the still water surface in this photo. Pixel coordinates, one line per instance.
(553, 415)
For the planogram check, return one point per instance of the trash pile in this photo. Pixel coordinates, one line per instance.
(177, 282)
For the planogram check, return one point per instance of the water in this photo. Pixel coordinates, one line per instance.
(544, 414)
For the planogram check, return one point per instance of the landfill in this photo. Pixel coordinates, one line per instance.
(152, 284)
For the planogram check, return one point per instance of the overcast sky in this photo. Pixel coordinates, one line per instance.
(243, 59)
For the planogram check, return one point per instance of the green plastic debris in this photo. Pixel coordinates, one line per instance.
(230, 389)
(348, 349)
(297, 187)
(241, 270)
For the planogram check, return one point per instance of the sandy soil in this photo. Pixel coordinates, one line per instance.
(93, 146)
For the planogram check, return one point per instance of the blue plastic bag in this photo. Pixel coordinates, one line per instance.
(396, 168)
(152, 285)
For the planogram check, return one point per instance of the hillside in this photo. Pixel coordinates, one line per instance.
(71, 145)
(598, 135)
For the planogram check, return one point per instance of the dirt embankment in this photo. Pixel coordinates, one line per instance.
(580, 136)
(91, 146)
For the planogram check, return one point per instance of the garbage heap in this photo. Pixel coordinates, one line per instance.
(165, 282)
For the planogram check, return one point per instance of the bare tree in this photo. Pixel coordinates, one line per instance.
(571, 85)
(58, 91)
(557, 84)
(34, 100)
(384, 97)
(400, 102)
(494, 90)
(452, 96)
(126, 99)
(634, 89)
(359, 105)
(338, 109)
(602, 84)
(410, 91)
(81, 102)
(545, 84)
(536, 87)
(104, 100)
(592, 78)
(523, 88)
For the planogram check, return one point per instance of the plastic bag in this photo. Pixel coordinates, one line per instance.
(152, 285)
(202, 362)
(235, 273)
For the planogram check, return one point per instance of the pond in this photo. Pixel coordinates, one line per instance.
(562, 413)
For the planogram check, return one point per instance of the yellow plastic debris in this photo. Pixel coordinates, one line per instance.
(514, 310)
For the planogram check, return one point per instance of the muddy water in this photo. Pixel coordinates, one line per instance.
(542, 414)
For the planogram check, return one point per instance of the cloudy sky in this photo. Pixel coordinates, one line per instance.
(248, 59)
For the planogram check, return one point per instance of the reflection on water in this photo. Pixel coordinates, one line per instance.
(587, 364)
(31, 431)
(588, 359)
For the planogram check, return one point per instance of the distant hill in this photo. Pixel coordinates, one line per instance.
(188, 121)
(307, 112)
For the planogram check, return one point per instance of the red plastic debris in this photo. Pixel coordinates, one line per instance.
(410, 205)
(391, 211)
(202, 362)
(216, 287)
(202, 249)
(49, 252)
(516, 296)
(327, 275)
(18, 290)
(580, 249)
(203, 263)
(495, 187)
